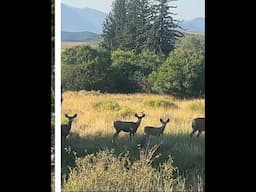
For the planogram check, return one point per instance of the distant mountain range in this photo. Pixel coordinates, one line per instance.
(81, 19)
(194, 25)
(79, 36)
(80, 24)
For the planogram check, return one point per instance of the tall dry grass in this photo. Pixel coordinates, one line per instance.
(92, 132)
(93, 120)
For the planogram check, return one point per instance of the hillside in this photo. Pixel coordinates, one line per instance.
(194, 25)
(81, 19)
(79, 36)
(91, 20)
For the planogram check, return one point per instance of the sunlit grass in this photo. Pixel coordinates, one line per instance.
(93, 119)
(92, 131)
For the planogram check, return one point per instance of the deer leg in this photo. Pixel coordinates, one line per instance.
(115, 137)
(199, 133)
(161, 139)
(134, 137)
(194, 130)
(131, 137)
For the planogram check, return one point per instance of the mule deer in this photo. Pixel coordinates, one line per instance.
(198, 125)
(65, 129)
(156, 131)
(130, 127)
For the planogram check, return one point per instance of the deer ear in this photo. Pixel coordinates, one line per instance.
(136, 115)
(66, 115)
(167, 120)
(75, 115)
(161, 120)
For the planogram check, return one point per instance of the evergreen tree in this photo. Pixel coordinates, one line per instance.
(131, 31)
(109, 36)
(143, 25)
(114, 26)
(164, 31)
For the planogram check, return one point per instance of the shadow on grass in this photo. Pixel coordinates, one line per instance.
(187, 154)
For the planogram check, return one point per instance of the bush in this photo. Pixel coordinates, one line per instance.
(160, 103)
(78, 55)
(104, 171)
(107, 105)
(182, 74)
(130, 70)
(86, 68)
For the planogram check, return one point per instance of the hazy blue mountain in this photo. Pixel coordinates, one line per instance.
(78, 36)
(91, 20)
(81, 19)
(194, 25)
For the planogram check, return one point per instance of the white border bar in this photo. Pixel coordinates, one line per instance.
(57, 96)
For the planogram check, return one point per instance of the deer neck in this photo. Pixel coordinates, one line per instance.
(162, 127)
(138, 123)
(69, 124)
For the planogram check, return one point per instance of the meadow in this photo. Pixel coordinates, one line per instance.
(70, 44)
(90, 161)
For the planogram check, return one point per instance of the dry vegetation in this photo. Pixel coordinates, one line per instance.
(98, 119)
(92, 132)
(69, 44)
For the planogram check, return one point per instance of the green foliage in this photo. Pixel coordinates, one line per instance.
(104, 171)
(130, 70)
(125, 69)
(140, 24)
(86, 68)
(163, 31)
(182, 74)
(79, 55)
(115, 26)
(160, 103)
(107, 105)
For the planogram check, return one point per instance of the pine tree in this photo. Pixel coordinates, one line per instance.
(131, 30)
(163, 31)
(143, 25)
(114, 26)
(109, 36)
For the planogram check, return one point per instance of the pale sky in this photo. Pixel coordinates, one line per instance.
(186, 9)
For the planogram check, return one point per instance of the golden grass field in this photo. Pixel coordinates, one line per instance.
(92, 132)
(92, 120)
(70, 44)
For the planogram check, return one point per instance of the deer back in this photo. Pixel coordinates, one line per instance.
(198, 124)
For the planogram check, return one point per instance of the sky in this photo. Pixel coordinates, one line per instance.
(186, 9)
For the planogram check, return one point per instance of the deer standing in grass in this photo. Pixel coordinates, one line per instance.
(65, 128)
(156, 131)
(130, 127)
(198, 125)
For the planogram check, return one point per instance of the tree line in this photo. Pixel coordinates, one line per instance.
(143, 50)
(141, 25)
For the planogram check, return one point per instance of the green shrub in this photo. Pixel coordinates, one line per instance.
(182, 74)
(160, 103)
(107, 105)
